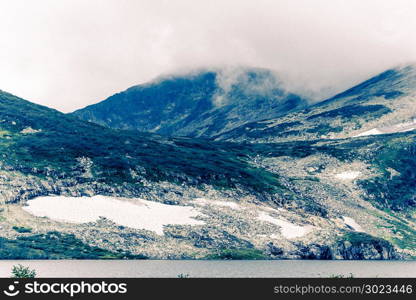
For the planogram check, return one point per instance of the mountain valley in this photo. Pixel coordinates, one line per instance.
(265, 174)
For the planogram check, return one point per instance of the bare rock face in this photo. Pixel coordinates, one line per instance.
(316, 251)
(361, 246)
(355, 246)
(274, 251)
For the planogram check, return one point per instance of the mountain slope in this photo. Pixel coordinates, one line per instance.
(383, 104)
(322, 199)
(202, 104)
(39, 141)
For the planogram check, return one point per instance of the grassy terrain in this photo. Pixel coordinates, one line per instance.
(351, 111)
(383, 97)
(404, 234)
(21, 229)
(41, 142)
(357, 238)
(60, 140)
(396, 186)
(392, 157)
(55, 245)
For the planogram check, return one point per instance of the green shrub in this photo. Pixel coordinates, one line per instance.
(21, 229)
(20, 271)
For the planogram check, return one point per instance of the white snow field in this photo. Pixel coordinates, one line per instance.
(401, 127)
(348, 175)
(351, 222)
(288, 230)
(141, 214)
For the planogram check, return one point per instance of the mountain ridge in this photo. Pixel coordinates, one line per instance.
(384, 100)
(199, 104)
(345, 198)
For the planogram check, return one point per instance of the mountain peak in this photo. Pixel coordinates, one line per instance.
(202, 102)
(384, 103)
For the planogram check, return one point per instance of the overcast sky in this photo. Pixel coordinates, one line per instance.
(67, 54)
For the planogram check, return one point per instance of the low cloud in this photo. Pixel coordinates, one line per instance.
(70, 53)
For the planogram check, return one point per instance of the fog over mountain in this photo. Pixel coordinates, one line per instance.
(198, 130)
(70, 54)
(198, 104)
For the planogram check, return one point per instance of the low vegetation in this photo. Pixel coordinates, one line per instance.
(21, 229)
(20, 271)
(358, 238)
(55, 245)
(116, 157)
(395, 187)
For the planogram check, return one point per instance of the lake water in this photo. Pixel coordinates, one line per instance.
(158, 268)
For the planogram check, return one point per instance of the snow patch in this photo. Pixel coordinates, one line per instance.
(401, 127)
(274, 210)
(288, 230)
(141, 214)
(156, 128)
(348, 175)
(204, 202)
(373, 131)
(351, 222)
(29, 130)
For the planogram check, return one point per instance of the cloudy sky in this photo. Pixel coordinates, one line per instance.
(70, 53)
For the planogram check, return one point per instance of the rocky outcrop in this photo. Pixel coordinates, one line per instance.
(316, 251)
(353, 246)
(360, 246)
